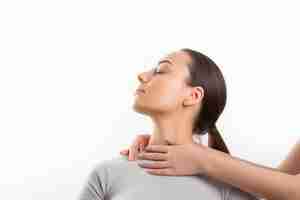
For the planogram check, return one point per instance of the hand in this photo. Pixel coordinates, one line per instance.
(139, 143)
(172, 160)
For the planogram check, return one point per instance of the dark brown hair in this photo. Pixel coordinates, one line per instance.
(205, 73)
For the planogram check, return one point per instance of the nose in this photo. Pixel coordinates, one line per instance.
(143, 77)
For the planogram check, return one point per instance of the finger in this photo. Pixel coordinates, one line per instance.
(138, 145)
(124, 152)
(160, 172)
(133, 151)
(143, 141)
(153, 164)
(157, 148)
(152, 156)
(142, 147)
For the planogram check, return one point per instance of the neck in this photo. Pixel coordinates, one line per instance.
(171, 130)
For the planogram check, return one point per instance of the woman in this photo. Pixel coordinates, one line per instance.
(185, 93)
(215, 161)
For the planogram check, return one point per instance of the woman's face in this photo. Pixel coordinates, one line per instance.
(164, 85)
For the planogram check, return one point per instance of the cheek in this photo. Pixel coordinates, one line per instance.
(167, 93)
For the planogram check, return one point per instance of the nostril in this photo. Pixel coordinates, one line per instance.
(140, 78)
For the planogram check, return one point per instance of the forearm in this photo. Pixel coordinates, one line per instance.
(259, 180)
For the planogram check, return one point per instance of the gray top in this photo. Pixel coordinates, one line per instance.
(121, 179)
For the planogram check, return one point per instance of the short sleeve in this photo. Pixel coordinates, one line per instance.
(95, 186)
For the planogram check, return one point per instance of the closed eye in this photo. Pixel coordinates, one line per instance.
(157, 71)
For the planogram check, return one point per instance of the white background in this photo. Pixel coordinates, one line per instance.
(68, 71)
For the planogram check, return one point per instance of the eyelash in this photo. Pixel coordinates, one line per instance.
(157, 72)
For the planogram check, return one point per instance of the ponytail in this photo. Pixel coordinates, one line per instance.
(205, 73)
(215, 140)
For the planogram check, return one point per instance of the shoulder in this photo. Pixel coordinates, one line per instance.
(234, 193)
(101, 177)
(109, 166)
(112, 163)
(104, 172)
(112, 168)
(229, 192)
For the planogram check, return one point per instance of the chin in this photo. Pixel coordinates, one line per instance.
(139, 108)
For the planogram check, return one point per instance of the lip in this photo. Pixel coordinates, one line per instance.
(138, 91)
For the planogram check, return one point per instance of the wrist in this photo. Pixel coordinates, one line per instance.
(210, 160)
(202, 158)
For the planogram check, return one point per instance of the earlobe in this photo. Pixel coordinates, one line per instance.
(189, 101)
(186, 102)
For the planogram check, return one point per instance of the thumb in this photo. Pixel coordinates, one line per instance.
(124, 152)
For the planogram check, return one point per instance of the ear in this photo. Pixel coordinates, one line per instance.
(196, 95)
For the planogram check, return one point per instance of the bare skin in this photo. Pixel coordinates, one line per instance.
(172, 105)
(280, 183)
